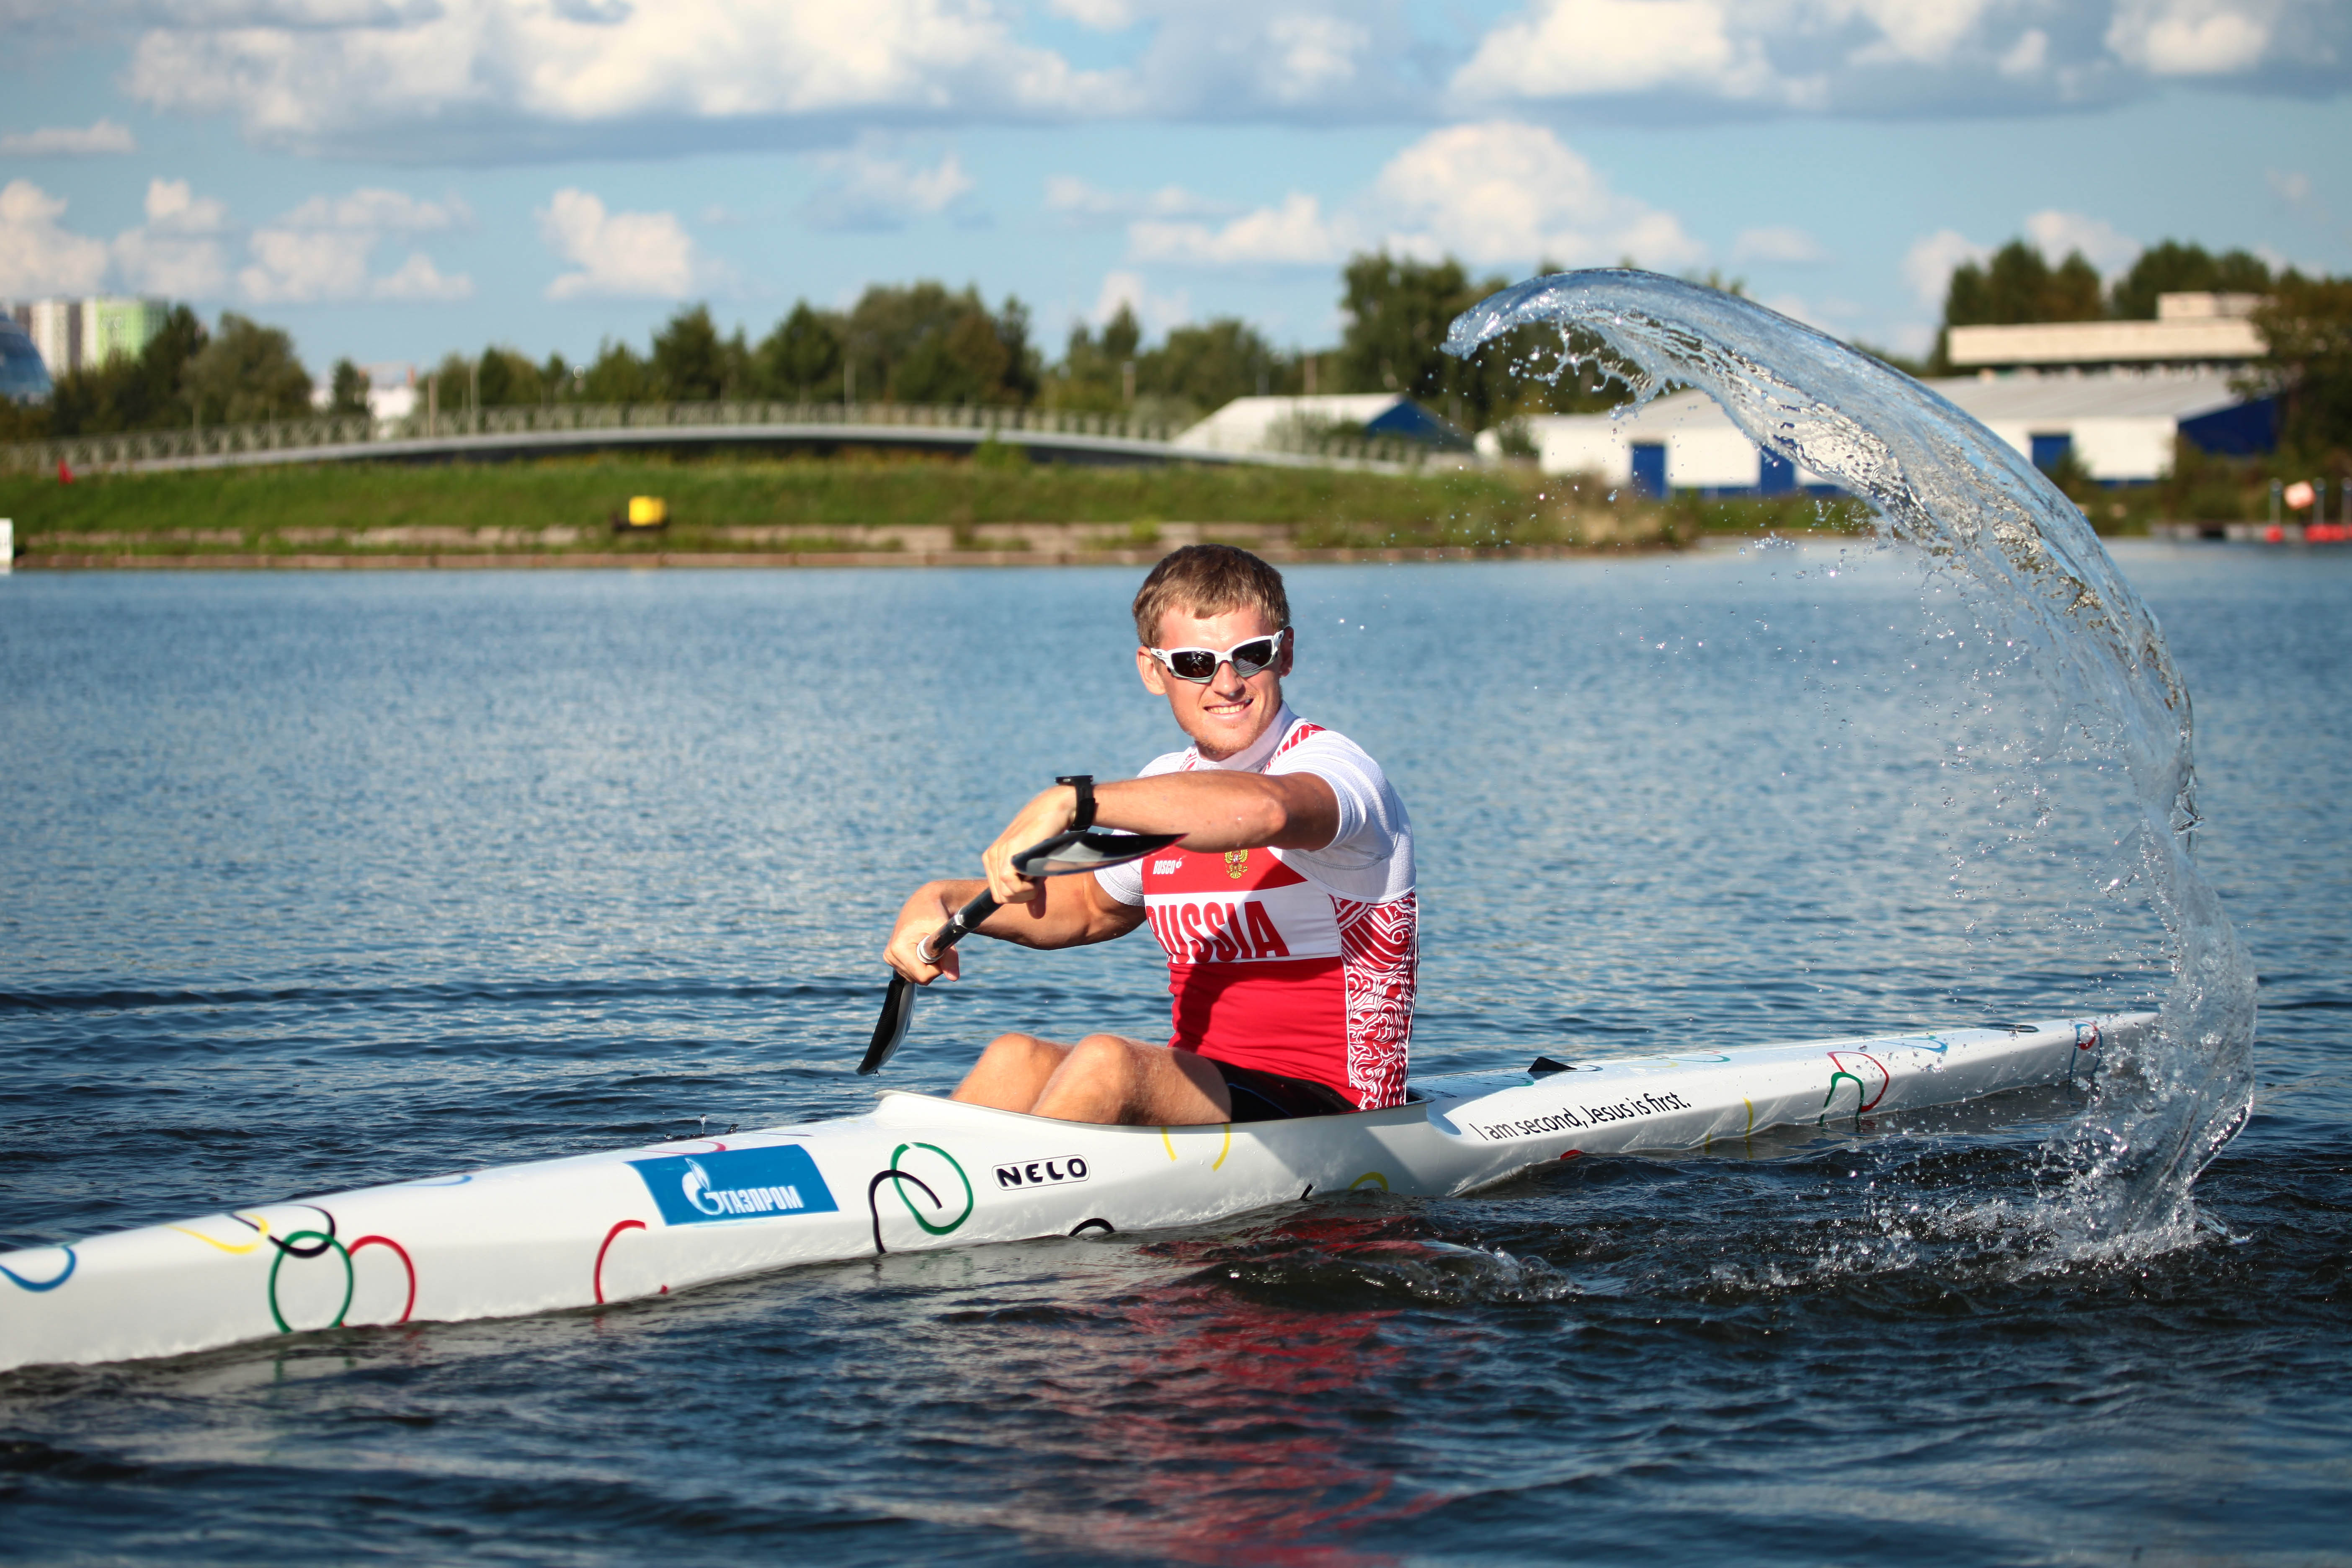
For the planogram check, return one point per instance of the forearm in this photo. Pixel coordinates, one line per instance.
(1064, 918)
(1223, 811)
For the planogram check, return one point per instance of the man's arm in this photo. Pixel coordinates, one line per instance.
(1072, 912)
(1213, 810)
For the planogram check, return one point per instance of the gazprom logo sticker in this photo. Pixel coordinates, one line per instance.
(735, 1184)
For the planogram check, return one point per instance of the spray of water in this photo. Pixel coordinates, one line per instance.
(2028, 560)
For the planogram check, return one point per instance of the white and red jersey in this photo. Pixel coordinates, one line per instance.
(1294, 961)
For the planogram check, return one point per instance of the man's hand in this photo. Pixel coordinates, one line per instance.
(921, 915)
(1051, 812)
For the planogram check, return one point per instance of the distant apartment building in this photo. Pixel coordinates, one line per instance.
(82, 334)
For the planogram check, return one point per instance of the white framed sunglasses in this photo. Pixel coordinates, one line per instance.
(1199, 664)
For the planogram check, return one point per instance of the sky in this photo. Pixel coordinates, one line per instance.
(394, 179)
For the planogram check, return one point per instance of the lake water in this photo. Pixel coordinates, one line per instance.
(312, 881)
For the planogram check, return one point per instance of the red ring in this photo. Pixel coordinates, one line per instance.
(598, 1280)
(405, 1262)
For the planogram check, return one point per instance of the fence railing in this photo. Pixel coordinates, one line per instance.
(132, 448)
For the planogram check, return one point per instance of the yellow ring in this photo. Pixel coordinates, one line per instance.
(1370, 1177)
(1228, 1148)
(261, 1226)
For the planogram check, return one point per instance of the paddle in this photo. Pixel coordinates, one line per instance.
(1081, 848)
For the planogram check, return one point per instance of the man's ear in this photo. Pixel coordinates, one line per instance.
(1290, 652)
(1154, 681)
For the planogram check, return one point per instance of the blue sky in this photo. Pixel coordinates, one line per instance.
(392, 179)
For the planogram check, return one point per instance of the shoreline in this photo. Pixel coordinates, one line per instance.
(478, 560)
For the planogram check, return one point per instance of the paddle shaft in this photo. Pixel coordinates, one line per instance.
(960, 925)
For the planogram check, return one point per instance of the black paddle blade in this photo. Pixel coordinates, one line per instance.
(1089, 849)
(891, 1029)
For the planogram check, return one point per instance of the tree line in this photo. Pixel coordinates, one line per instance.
(918, 343)
(925, 343)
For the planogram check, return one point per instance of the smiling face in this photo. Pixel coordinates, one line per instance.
(1229, 712)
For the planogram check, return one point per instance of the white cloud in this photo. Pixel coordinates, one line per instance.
(619, 255)
(2289, 186)
(38, 257)
(1504, 191)
(1081, 203)
(2055, 234)
(1497, 191)
(178, 252)
(1782, 244)
(1570, 48)
(1102, 15)
(2191, 38)
(1928, 265)
(2028, 56)
(460, 70)
(1157, 312)
(417, 279)
(1295, 234)
(866, 189)
(322, 249)
(69, 141)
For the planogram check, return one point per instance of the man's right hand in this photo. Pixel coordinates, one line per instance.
(921, 915)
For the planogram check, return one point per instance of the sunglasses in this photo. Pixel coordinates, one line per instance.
(1199, 664)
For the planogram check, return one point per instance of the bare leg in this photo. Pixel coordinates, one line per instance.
(1011, 1073)
(1111, 1078)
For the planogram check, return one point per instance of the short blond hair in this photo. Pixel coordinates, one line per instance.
(1204, 579)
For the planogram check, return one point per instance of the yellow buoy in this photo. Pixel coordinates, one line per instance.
(648, 511)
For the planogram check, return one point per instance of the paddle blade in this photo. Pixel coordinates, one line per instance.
(1088, 850)
(891, 1029)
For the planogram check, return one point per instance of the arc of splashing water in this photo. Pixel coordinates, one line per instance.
(1942, 483)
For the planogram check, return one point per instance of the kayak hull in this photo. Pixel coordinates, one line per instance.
(919, 1172)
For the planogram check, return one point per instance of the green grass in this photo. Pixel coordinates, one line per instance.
(830, 503)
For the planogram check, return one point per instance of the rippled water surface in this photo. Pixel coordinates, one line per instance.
(308, 882)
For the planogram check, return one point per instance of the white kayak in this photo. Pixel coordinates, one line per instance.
(921, 1172)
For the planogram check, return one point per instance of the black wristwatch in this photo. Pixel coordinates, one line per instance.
(1084, 817)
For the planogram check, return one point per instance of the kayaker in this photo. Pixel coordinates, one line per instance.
(1288, 912)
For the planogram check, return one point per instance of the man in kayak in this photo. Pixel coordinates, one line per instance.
(1287, 910)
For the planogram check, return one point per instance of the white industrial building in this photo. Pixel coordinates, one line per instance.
(2116, 395)
(1276, 424)
(2119, 425)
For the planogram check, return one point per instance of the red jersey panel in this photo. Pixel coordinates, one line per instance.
(1270, 971)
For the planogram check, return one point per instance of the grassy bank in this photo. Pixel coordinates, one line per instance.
(818, 506)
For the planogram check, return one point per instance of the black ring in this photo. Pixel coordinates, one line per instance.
(1085, 1225)
(873, 1206)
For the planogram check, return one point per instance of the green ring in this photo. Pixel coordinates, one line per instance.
(901, 1187)
(1859, 1094)
(349, 1276)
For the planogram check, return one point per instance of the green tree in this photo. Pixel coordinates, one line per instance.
(1092, 376)
(2020, 285)
(800, 359)
(247, 373)
(146, 392)
(1209, 365)
(2170, 266)
(2307, 325)
(509, 379)
(692, 363)
(923, 343)
(349, 390)
(618, 375)
(1398, 310)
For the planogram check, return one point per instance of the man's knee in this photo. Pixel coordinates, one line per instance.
(1104, 1054)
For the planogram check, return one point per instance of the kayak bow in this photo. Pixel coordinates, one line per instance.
(921, 1172)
